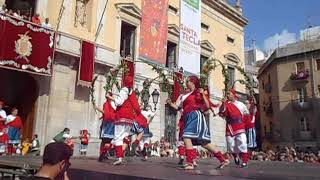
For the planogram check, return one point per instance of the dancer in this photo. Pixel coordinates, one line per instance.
(147, 135)
(107, 128)
(127, 109)
(196, 130)
(233, 112)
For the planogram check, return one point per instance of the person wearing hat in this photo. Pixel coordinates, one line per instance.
(127, 110)
(3, 116)
(196, 130)
(233, 111)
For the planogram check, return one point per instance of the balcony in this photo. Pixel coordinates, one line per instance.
(302, 104)
(300, 77)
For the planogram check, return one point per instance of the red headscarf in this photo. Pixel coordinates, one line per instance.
(128, 82)
(195, 80)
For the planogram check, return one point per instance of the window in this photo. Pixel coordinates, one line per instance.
(300, 66)
(302, 93)
(230, 39)
(22, 7)
(231, 73)
(127, 44)
(173, 10)
(304, 124)
(205, 27)
(318, 64)
(203, 60)
(171, 55)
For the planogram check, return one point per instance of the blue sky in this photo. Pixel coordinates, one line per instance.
(278, 20)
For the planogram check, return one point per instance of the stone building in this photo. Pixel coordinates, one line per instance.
(56, 102)
(289, 87)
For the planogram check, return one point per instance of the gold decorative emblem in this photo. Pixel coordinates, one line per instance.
(24, 46)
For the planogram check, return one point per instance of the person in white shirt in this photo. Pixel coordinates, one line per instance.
(46, 23)
(3, 116)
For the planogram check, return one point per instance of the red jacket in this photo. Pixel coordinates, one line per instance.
(193, 102)
(16, 123)
(129, 110)
(234, 118)
(4, 138)
(109, 114)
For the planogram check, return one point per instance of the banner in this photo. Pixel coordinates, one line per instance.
(154, 30)
(86, 67)
(190, 36)
(25, 46)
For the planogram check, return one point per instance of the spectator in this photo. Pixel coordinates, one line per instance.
(55, 164)
(16, 14)
(4, 8)
(84, 140)
(4, 140)
(46, 23)
(3, 116)
(14, 123)
(35, 149)
(36, 19)
(26, 146)
(62, 136)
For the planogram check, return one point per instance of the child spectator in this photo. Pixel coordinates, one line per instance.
(84, 138)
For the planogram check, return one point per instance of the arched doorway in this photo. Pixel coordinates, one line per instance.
(19, 89)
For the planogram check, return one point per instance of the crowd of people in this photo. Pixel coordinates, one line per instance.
(26, 15)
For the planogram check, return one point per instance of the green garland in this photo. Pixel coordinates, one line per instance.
(211, 65)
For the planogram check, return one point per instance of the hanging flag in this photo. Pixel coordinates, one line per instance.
(86, 66)
(190, 36)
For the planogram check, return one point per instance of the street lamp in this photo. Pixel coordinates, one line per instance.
(155, 98)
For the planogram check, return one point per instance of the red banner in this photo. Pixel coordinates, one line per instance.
(154, 30)
(25, 46)
(130, 70)
(86, 64)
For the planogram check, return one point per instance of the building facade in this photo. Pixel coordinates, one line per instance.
(289, 96)
(58, 101)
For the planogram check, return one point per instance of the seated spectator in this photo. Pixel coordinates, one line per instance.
(36, 19)
(55, 164)
(35, 149)
(46, 23)
(26, 146)
(4, 8)
(16, 14)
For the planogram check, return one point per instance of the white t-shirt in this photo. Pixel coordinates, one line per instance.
(3, 114)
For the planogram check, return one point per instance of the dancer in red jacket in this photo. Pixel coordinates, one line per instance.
(127, 110)
(234, 111)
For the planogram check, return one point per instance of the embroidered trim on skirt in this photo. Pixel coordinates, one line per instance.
(147, 133)
(136, 129)
(196, 128)
(251, 138)
(107, 130)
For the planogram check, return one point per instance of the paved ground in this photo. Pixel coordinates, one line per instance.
(166, 168)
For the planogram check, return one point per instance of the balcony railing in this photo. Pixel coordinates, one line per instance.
(302, 104)
(301, 76)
